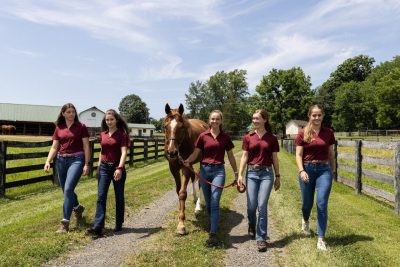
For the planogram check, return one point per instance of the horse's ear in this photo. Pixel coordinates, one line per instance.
(167, 109)
(181, 109)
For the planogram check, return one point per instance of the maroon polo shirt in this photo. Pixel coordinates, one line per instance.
(213, 150)
(70, 139)
(318, 148)
(111, 145)
(260, 149)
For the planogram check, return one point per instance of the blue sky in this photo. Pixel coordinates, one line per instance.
(95, 52)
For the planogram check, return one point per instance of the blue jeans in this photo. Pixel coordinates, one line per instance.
(259, 186)
(214, 174)
(319, 178)
(105, 178)
(69, 170)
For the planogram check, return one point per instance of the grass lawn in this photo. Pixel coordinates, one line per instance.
(28, 221)
(361, 231)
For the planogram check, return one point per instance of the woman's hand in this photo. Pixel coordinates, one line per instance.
(85, 170)
(304, 176)
(277, 183)
(240, 180)
(117, 174)
(46, 167)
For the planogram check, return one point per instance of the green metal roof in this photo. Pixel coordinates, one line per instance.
(25, 112)
(143, 126)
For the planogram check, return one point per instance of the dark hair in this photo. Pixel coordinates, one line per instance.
(308, 128)
(264, 114)
(121, 123)
(60, 118)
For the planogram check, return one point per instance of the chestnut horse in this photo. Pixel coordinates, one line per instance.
(180, 137)
(8, 129)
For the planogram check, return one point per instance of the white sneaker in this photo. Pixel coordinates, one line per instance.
(305, 226)
(321, 245)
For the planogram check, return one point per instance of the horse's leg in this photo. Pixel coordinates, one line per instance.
(182, 199)
(198, 202)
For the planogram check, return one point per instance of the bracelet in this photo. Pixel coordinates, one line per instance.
(301, 171)
(119, 168)
(236, 172)
(277, 175)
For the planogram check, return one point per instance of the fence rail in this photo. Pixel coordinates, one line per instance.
(358, 170)
(148, 148)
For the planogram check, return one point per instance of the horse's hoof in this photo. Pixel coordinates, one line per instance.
(181, 231)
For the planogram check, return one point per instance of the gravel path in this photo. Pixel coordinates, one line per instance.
(242, 250)
(113, 249)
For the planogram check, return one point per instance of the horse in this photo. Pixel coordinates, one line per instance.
(8, 129)
(180, 137)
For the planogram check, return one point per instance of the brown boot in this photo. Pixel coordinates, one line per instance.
(64, 227)
(78, 212)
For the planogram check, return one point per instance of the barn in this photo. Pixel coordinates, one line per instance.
(92, 118)
(293, 127)
(142, 130)
(29, 119)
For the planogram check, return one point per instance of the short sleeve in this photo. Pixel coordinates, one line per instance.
(200, 142)
(245, 143)
(85, 132)
(229, 144)
(299, 139)
(275, 145)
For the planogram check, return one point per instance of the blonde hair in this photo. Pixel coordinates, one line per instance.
(308, 128)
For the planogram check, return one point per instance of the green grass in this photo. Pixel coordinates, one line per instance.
(361, 231)
(28, 223)
(189, 250)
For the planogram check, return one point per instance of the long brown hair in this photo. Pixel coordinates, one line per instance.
(308, 128)
(121, 123)
(60, 118)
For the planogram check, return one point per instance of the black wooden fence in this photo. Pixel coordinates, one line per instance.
(141, 150)
(359, 171)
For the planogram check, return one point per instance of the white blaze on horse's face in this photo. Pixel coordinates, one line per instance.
(171, 145)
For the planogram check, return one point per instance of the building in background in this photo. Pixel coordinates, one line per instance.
(29, 119)
(92, 118)
(293, 127)
(141, 130)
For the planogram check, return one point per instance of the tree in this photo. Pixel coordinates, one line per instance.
(285, 94)
(133, 109)
(354, 107)
(159, 124)
(224, 91)
(388, 100)
(353, 69)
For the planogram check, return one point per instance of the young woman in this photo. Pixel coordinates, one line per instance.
(316, 162)
(212, 144)
(260, 154)
(114, 142)
(71, 146)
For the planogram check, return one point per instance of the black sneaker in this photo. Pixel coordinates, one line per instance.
(98, 231)
(252, 232)
(262, 246)
(118, 228)
(212, 241)
(78, 212)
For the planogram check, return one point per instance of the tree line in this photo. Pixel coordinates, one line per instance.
(356, 96)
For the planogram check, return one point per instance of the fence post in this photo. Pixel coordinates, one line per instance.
(397, 179)
(91, 146)
(358, 174)
(3, 161)
(156, 148)
(145, 150)
(131, 152)
(336, 153)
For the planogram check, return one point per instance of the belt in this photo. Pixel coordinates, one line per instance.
(316, 162)
(259, 167)
(212, 164)
(109, 163)
(66, 155)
